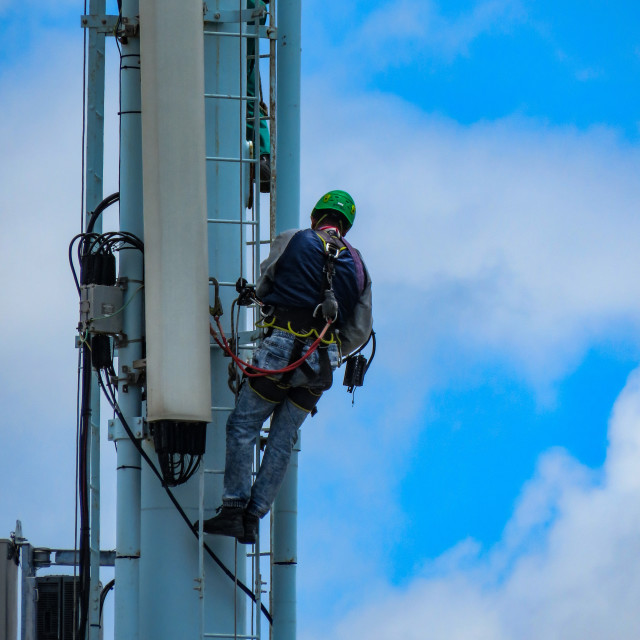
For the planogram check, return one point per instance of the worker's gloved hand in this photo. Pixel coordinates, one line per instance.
(328, 307)
(247, 293)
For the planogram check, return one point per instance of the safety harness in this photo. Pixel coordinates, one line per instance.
(275, 385)
(303, 324)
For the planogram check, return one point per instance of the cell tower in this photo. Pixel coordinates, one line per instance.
(195, 123)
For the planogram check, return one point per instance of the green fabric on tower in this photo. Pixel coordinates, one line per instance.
(265, 139)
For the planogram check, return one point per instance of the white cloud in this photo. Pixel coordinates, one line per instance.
(40, 134)
(46, 7)
(403, 31)
(566, 568)
(511, 235)
(513, 239)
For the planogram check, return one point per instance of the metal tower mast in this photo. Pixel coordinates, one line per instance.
(169, 596)
(189, 189)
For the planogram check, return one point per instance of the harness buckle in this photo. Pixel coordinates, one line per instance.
(333, 251)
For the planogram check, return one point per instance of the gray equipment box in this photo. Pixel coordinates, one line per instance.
(55, 618)
(100, 309)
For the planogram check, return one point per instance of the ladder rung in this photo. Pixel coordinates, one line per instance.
(222, 159)
(228, 96)
(230, 635)
(236, 34)
(243, 346)
(220, 472)
(253, 223)
(225, 284)
(221, 408)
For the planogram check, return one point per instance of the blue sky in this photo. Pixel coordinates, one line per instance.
(483, 484)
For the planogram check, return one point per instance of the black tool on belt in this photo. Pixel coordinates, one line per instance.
(357, 366)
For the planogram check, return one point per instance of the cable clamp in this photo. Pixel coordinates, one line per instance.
(133, 375)
(117, 432)
(127, 28)
(123, 282)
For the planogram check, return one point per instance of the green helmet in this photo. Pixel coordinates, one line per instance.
(338, 201)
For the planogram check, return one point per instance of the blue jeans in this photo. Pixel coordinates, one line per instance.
(245, 421)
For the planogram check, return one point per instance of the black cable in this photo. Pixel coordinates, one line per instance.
(87, 244)
(372, 335)
(105, 243)
(237, 345)
(373, 349)
(106, 202)
(103, 596)
(83, 478)
(111, 399)
(75, 525)
(73, 269)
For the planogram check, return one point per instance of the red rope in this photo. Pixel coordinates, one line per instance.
(258, 371)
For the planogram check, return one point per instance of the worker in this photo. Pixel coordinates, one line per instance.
(264, 137)
(312, 278)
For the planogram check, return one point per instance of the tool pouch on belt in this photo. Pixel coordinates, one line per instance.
(273, 391)
(306, 397)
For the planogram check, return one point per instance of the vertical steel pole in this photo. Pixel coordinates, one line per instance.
(288, 115)
(284, 546)
(93, 196)
(28, 594)
(129, 395)
(273, 200)
(284, 513)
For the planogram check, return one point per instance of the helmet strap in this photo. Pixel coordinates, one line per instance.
(338, 226)
(324, 227)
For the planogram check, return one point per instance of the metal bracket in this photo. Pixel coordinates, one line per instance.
(132, 375)
(244, 15)
(104, 24)
(116, 431)
(119, 26)
(67, 557)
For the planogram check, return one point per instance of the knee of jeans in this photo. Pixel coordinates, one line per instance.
(241, 431)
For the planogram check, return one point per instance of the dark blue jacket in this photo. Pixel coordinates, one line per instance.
(292, 276)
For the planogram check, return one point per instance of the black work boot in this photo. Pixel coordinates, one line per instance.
(251, 524)
(228, 522)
